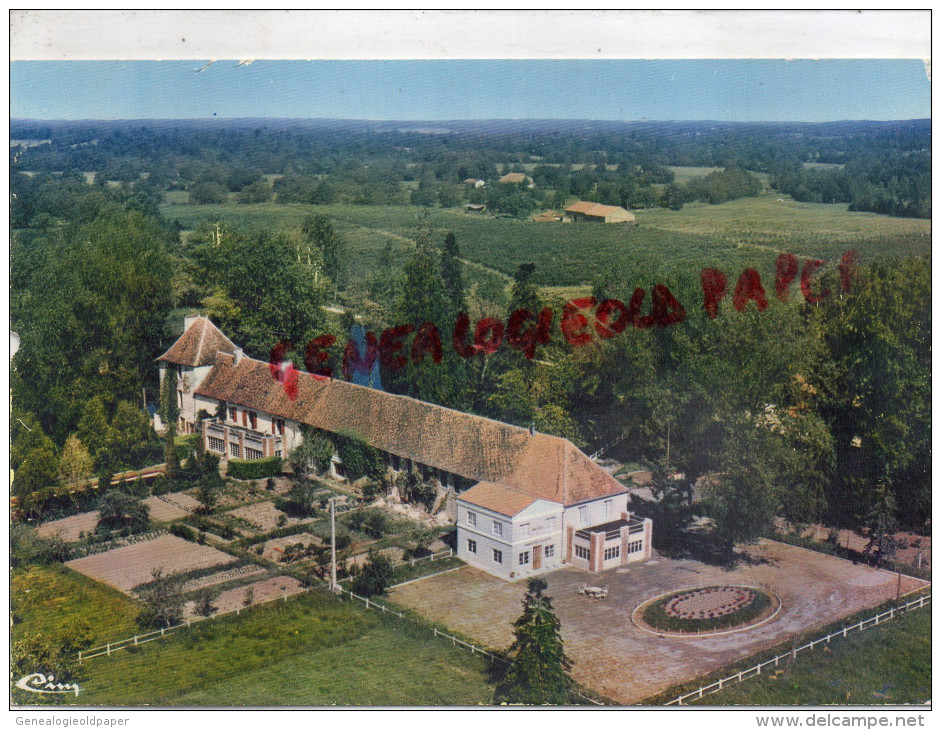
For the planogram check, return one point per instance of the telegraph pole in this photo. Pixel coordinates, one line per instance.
(333, 546)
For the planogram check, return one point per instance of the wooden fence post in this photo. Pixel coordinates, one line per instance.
(108, 649)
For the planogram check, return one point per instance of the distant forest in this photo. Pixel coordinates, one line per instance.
(882, 167)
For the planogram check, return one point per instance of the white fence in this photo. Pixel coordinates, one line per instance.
(414, 561)
(107, 649)
(754, 671)
(441, 634)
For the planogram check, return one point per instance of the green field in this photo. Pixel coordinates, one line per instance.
(313, 650)
(889, 664)
(731, 236)
(45, 598)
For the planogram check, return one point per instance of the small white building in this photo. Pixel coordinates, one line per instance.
(514, 534)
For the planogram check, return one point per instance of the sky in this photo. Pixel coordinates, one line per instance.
(621, 90)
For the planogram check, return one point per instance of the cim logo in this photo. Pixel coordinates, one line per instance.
(45, 684)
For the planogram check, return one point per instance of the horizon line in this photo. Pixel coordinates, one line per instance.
(463, 119)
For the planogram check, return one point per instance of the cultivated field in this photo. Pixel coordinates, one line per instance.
(169, 507)
(126, 567)
(257, 592)
(733, 235)
(69, 529)
(260, 517)
(617, 659)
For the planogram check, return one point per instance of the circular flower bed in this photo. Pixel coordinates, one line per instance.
(701, 609)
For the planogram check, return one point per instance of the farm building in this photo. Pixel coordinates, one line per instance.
(549, 216)
(595, 212)
(474, 182)
(537, 502)
(475, 207)
(516, 178)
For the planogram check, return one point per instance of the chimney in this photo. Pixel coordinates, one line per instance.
(188, 321)
(238, 355)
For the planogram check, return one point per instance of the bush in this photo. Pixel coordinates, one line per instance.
(161, 485)
(183, 531)
(256, 468)
(186, 445)
(375, 576)
(372, 522)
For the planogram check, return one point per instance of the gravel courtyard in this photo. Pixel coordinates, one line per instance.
(626, 664)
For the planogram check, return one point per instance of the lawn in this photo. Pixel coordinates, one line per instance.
(889, 664)
(45, 598)
(312, 650)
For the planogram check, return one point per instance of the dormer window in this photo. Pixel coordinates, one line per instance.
(233, 413)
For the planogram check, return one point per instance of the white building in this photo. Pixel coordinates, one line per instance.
(534, 502)
(514, 533)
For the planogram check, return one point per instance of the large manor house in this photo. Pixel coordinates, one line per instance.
(537, 502)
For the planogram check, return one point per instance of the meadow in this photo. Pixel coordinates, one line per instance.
(44, 598)
(889, 664)
(313, 650)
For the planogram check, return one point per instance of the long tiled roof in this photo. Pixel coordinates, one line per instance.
(597, 209)
(543, 466)
(198, 345)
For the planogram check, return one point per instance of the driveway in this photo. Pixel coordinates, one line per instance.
(626, 664)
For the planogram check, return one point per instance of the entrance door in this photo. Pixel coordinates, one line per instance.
(537, 557)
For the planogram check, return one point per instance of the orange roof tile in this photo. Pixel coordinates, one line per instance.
(542, 466)
(497, 498)
(596, 209)
(198, 345)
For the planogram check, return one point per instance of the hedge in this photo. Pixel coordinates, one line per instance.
(255, 468)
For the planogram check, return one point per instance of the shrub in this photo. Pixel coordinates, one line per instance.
(186, 445)
(204, 605)
(375, 576)
(372, 522)
(183, 531)
(373, 489)
(160, 485)
(255, 468)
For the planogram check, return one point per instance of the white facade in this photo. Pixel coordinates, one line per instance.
(596, 535)
(525, 544)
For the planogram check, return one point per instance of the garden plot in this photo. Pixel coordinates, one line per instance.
(169, 507)
(126, 567)
(261, 517)
(236, 493)
(273, 549)
(243, 596)
(69, 529)
(222, 576)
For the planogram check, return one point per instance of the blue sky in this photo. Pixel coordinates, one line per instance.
(628, 90)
